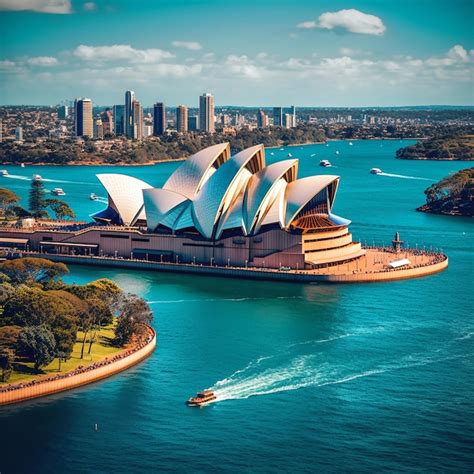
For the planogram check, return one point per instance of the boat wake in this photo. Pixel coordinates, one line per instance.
(275, 374)
(235, 300)
(402, 176)
(46, 180)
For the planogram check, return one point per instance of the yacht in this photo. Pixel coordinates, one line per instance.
(350, 144)
(376, 171)
(37, 177)
(336, 152)
(290, 155)
(93, 197)
(22, 165)
(325, 163)
(58, 192)
(4, 172)
(202, 398)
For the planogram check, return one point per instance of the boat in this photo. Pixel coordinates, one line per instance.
(336, 152)
(325, 163)
(37, 177)
(202, 398)
(290, 155)
(58, 192)
(93, 197)
(350, 144)
(272, 153)
(4, 172)
(375, 171)
(22, 165)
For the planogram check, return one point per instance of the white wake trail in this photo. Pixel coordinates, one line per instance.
(392, 175)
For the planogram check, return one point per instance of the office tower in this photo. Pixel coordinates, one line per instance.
(225, 120)
(19, 134)
(63, 112)
(293, 113)
(277, 116)
(119, 119)
(193, 123)
(1, 131)
(262, 119)
(98, 129)
(206, 113)
(107, 122)
(289, 121)
(129, 128)
(83, 118)
(137, 120)
(182, 118)
(159, 119)
(147, 131)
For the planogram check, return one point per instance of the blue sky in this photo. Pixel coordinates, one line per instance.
(307, 53)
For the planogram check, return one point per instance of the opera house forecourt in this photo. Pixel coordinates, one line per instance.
(226, 215)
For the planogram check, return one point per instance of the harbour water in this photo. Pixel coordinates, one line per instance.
(314, 378)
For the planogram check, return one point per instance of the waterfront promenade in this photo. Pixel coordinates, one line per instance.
(82, 375)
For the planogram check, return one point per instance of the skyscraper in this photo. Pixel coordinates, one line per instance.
(182, 118)
(159, 119)
(277, 116)
(206, 113)
(293, 113)
(98, 129)
(19, 134)
(83, 124)
(107, 122)
(137, 120)
(63, 112)
(262, 119)
(119, 119)
(128, 116)
(193, 123)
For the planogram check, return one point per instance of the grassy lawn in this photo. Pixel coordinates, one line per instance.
(100, 349)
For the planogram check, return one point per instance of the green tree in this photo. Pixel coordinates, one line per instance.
(38, 201)
(33, 270)
(7, 358)
(135, 315)
(38, 344)
(7, 200)
(60, 209)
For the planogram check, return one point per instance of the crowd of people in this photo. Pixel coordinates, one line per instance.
(81, 369)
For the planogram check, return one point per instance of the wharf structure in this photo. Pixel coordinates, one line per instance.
(223, 211)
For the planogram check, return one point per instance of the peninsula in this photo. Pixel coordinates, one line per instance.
(447, 148)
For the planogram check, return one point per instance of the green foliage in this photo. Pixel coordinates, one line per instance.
(447, 147)
(60, 209)
(7, 200)
(135, 315)
(37, 200)
(7, 358)
(38, 344)
(30, 270)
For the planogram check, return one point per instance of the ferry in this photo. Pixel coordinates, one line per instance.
(37, 177)
(58, 192)
(375, 171)
(4, 172)
(93, 197)
(325, 163)
(202, 398)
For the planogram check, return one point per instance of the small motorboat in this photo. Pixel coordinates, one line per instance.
(313, 154)
(336, 152)
(272, 153)
(350, 144)
(325, 163)
(93, 197)
(290, 155)
(22, 165)
(202, 398)
(375, 171)
(4, 172)
(37, 177)
(58, 192)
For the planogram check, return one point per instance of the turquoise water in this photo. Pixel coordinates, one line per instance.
(310, 377)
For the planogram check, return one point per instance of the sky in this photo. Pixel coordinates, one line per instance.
(322, 53)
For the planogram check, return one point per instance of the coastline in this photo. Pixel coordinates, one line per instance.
(94, 163)
(22, 391)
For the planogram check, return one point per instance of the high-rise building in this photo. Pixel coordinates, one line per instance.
(206, 113)
(277, 116)
(137, 120)
(83, 123)
(98, 129)
(119, 119)
(107, 122)
(182, 118)
(129, 126)
(63, 112)
(19, 134)
(293, 113)
(289, 121)
(262, 119)
(159, 119)
(193, 123)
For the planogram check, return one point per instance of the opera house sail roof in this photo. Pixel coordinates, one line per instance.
(213, 192)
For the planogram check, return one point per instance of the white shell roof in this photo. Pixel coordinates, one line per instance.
(220, 190)
(159, 203)
(193, 173)
(125, 195)
(258, 196)
(299, 192)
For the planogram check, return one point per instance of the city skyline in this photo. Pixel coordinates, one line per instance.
(362, 53)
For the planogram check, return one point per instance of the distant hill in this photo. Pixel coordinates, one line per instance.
(453, 195)
(443, 148)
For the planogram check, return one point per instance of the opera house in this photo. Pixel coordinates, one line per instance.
(226, 210)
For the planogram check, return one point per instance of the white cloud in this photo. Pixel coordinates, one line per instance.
(120, 52)
(89, 6)
(42, 61)
(41, 6)
(457, 52)
(191, 45)
(351, 20)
